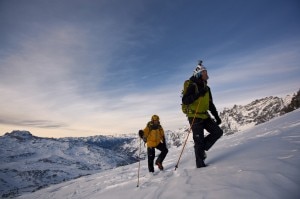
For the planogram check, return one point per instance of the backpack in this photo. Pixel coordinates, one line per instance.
(185, 108)
(151, 128)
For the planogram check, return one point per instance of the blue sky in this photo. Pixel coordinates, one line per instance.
(87, 67)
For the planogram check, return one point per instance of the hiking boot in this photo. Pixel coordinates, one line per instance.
(200, 164)
(160, 166)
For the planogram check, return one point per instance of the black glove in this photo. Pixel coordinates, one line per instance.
(141, 133)
(218, 120)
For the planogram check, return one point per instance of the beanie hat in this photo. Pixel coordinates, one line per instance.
(154, 118)
(198, 70)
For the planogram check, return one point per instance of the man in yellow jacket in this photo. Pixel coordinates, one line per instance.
(154, 135)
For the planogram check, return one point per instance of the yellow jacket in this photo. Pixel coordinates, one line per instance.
(154, 135)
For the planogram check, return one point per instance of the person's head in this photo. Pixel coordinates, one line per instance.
(200, 72)
(155, 119)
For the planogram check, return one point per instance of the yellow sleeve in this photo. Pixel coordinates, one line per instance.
(146, 131)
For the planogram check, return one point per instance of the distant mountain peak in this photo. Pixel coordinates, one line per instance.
(20, 134)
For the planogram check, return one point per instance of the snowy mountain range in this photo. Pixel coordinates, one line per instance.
(30, 163)
(239, 118)
(262, 163)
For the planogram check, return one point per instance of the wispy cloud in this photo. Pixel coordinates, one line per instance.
(264, 72)
(48, 79)
(34, 123)
(269, 62)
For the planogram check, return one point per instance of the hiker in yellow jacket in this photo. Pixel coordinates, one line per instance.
(154, 136)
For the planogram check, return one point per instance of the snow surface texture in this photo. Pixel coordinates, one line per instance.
(262, 162)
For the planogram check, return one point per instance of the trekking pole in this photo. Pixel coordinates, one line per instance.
(138, 182)
(176, 166)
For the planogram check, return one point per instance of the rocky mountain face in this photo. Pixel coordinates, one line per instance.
(240, 117)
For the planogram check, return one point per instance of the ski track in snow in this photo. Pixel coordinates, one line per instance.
(262, 162)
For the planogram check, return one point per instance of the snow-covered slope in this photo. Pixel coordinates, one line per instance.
(261, 162)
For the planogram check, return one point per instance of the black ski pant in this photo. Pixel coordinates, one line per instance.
(151, 155)
(202, 143)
